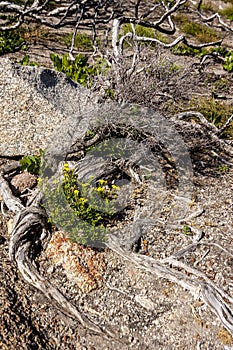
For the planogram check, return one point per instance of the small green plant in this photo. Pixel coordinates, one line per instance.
(32, 163)
(228, 65)
(77, 195)
(76, 206)
(109, 93)
(184, 50)
(223, 168)
(79, 69)
(186, 230)
(82, 41)
(9, 41)
(26, 61)
(90, 134)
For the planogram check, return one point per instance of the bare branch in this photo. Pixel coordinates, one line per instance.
(168, 12)
(218, 17)
(151, 10)
(74, 35)
(223, 128)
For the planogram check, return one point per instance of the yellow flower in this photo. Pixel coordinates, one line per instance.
(114, 187)
(82, 200)
(102, 182)
(66, 167)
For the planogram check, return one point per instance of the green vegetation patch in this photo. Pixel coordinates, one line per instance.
(82, 41)
(216, 112)
(32, 163)
(140, 30)
(228, 65)
(76, 206)
(144, 32)
(78, 69)
(228, 11)
(184, 50)
(27, 62)
(202, 33)
(9, 41)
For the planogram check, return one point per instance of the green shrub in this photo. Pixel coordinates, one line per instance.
(26, 61)
(77, 194)
(75, 206)
(186, 230)
(140, 30)
(79, 69)
(228, 65)
(9, 41)
(223, 168)
(184, 50)
(32, 163)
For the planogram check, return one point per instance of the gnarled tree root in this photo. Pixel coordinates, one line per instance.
(28, 233)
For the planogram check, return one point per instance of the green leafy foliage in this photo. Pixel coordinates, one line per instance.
(79, 69)
(184, 50)
(186, 230)
(26, 61)
(86, 222)
(77, 197)
(32, 163)
(223, 168)
(9, 41)
(228, 65)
